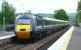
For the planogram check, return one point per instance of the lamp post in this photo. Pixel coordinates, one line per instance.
(3, 15)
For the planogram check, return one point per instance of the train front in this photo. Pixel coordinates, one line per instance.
(22, 28)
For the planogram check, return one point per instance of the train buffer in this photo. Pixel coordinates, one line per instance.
(71, 40)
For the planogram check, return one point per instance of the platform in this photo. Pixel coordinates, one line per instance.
(4, 34)
(75, 41)
(70, 40)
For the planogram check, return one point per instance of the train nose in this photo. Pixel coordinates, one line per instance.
(23, 35)
(23, 32)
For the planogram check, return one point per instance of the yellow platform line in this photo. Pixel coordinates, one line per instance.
(66, 41)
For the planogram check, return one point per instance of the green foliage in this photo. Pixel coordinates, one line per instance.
(8, 12)
(60, 14)
(76, 20)
(79, 10)
(79, 5)
(1, 19)
(78, 16)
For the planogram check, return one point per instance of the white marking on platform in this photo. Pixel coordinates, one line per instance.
(62, 42)
(4, 37)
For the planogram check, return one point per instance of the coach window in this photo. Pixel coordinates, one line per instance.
(46, 22)
(39, 22)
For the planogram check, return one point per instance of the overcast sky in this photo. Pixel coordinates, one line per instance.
(44, 6)
(0, 4)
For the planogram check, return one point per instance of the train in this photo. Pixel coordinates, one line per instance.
(33, 27)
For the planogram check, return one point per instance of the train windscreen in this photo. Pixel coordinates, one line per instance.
(23, 21)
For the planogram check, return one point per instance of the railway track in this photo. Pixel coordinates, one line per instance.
(14, 47)
(45, 42)
(41, 44)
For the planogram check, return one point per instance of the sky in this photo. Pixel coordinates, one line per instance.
(44, 6)
(0, 4)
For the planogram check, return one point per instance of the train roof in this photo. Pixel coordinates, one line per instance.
(54, 19)
(38, 17)
(25, 16)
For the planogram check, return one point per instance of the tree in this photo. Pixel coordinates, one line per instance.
(78, 16)
(79, 5)
(8, 12)
(60, 14)
(1, 19)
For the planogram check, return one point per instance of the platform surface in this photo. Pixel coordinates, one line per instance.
(75, 40)
(4, 33)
